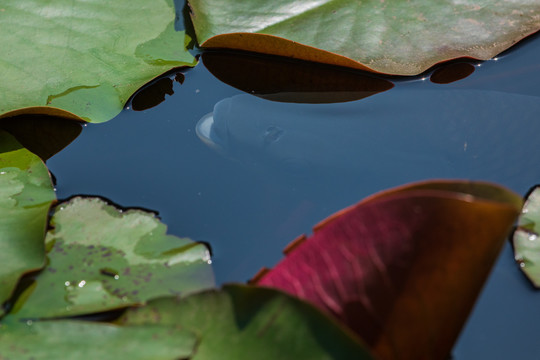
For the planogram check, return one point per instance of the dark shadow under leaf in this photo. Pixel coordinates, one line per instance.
(281, 79)
(43, 135)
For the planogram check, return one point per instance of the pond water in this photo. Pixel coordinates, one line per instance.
(248, 175)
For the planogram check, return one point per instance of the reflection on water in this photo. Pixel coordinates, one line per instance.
(44, 135)
(452, 72)
(281, 79)
(153, 94)
(287, 166)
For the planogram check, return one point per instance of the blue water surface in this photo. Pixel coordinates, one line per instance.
(248, 175)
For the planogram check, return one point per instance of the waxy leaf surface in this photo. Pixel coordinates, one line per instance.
(244, 322)
(102, 258)
(26, 193)
(68, 339)
(526, 238)
(402, 268)
(389, 36)
(84, 57)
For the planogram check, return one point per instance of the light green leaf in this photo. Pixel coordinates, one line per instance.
(26, 193)
(244, 322)
(102, 258)
(84, 57)
(388, 36)
(527, 238)
(68, 339)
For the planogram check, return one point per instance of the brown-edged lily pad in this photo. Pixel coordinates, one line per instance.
(403, 267)
(389, 36)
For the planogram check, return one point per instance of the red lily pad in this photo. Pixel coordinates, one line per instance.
(402, 268)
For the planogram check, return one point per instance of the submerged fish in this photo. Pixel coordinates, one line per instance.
(394, 137)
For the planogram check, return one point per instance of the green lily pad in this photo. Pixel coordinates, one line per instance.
(387, 36)
(26, 193)
(527, 238)
(102, 258)
(245, 322)
(68, 339)
(84, 57)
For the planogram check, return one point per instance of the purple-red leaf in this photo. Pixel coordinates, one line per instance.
(402, 268)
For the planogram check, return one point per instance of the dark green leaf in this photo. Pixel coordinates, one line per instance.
(243, 322)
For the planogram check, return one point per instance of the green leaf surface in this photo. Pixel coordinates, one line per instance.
(26, 194)
(84, 57)
(526, 238)
(388, 36)
(68, 339)
(245, 322)
(102, 258)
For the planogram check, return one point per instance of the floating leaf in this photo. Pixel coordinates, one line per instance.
(102, 258)
(242, 322)
(26, 193)
(67, 339)
(402, 268)
(392, 36)
(280, 79)
(84, 57)
(526, 238)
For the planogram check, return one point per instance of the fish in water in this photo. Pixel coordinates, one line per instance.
(395, 137)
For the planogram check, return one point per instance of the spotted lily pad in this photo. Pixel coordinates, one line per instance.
(243, 322)
(84, 57)
(387, 36)
(527, 238)
(26, 193)
(102, 258)
(67, 339)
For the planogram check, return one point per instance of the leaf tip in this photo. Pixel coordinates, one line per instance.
(258, 276)
(294, 244)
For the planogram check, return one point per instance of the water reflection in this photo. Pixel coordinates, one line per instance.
(452, 72)
(287, 80)
(403, 135)
(153, 93)
(43, 135)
